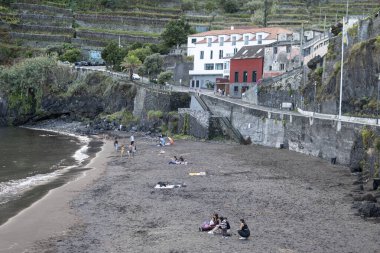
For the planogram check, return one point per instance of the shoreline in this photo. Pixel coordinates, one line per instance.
(51, 214)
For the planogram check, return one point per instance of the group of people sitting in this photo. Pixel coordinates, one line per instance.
(179, 160)
(221, 224)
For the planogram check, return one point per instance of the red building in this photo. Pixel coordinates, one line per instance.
(246, 68)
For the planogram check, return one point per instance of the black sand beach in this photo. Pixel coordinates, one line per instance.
(292, 203)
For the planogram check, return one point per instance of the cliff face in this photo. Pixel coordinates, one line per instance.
(361, 69)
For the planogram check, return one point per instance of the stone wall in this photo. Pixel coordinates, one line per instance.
(124, 38)
(198, 122)
(307, 135)
(149, 99)
(42, 19)
(180, 68)
(40, 37)
(42, 29)
(41, 8)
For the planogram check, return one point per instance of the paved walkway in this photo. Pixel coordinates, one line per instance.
(145, 82)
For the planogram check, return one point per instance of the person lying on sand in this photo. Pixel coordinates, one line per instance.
(174, 160)
(209, 225)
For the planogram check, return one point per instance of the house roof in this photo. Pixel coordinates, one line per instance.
(273, 31)
(249, 52)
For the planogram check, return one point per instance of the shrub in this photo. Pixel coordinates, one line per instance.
(155, 114)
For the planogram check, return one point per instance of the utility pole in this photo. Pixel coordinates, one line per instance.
(377, 104)
(265, 12)
(315, 94)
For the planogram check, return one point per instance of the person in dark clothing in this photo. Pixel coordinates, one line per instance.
(243, 231)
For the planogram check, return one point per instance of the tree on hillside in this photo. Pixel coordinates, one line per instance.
(141, 53)
(71, 55)
(230, 6)
(176, 32)
(114, 55)
(254, 5)
(164, 77)
(153, 65)
(131, 62)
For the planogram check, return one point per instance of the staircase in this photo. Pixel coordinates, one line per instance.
(232, 132)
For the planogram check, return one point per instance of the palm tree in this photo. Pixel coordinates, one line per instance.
(131, 62)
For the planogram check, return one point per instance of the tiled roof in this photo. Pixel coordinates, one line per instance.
(273, 31)
(249, 52)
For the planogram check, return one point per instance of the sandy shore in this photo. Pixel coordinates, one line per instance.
(52, 215)
(291, 202)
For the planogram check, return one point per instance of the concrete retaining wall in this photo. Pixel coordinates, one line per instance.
(303, 134)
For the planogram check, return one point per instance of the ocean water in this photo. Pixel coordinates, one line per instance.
(32, 162)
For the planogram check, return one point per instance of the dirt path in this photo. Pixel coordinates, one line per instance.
(291, 202)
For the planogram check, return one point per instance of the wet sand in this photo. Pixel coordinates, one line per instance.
(291, 202)
(50, 216)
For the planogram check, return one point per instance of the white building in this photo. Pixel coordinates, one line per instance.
(212, 50)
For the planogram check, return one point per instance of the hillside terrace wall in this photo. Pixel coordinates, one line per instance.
(42, 8)
(109, 36)
(44, 29)
(42, 19)
(95, 18)
(40, 37)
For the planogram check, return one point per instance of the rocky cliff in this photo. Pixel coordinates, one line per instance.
(361, 69)
(40, 88)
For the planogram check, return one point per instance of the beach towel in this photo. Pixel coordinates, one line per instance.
(197, 173)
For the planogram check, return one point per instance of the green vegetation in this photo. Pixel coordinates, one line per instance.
(123, 117)
(186, 124)
(155, 115)
(164, 77)
(25, 83)
(176, 32)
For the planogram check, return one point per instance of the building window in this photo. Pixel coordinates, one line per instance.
(270, 68)
(226, 65)
(211, 54)
(235, 50)
(282, 66)
(288, 49)
(233, 40)
(193, 41)
(246, 38)
(197, 84)
(275, 50)
(245, 76)
(259, 39)
(236, 77)
(209, 66)
(221, 42)
(219, 66)
(192, 83)
(254, 76)
(202, 55)
(220, 54)
(209, 42)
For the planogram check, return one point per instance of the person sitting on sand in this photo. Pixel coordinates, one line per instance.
(209, 225)
(182, 160)
(174, 160)
(224, 226)
(243, 231)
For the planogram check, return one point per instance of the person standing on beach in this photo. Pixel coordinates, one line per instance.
(132, 138)
(116, 144)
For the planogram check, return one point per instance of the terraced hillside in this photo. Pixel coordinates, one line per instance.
(318, 14)
(91, 24)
